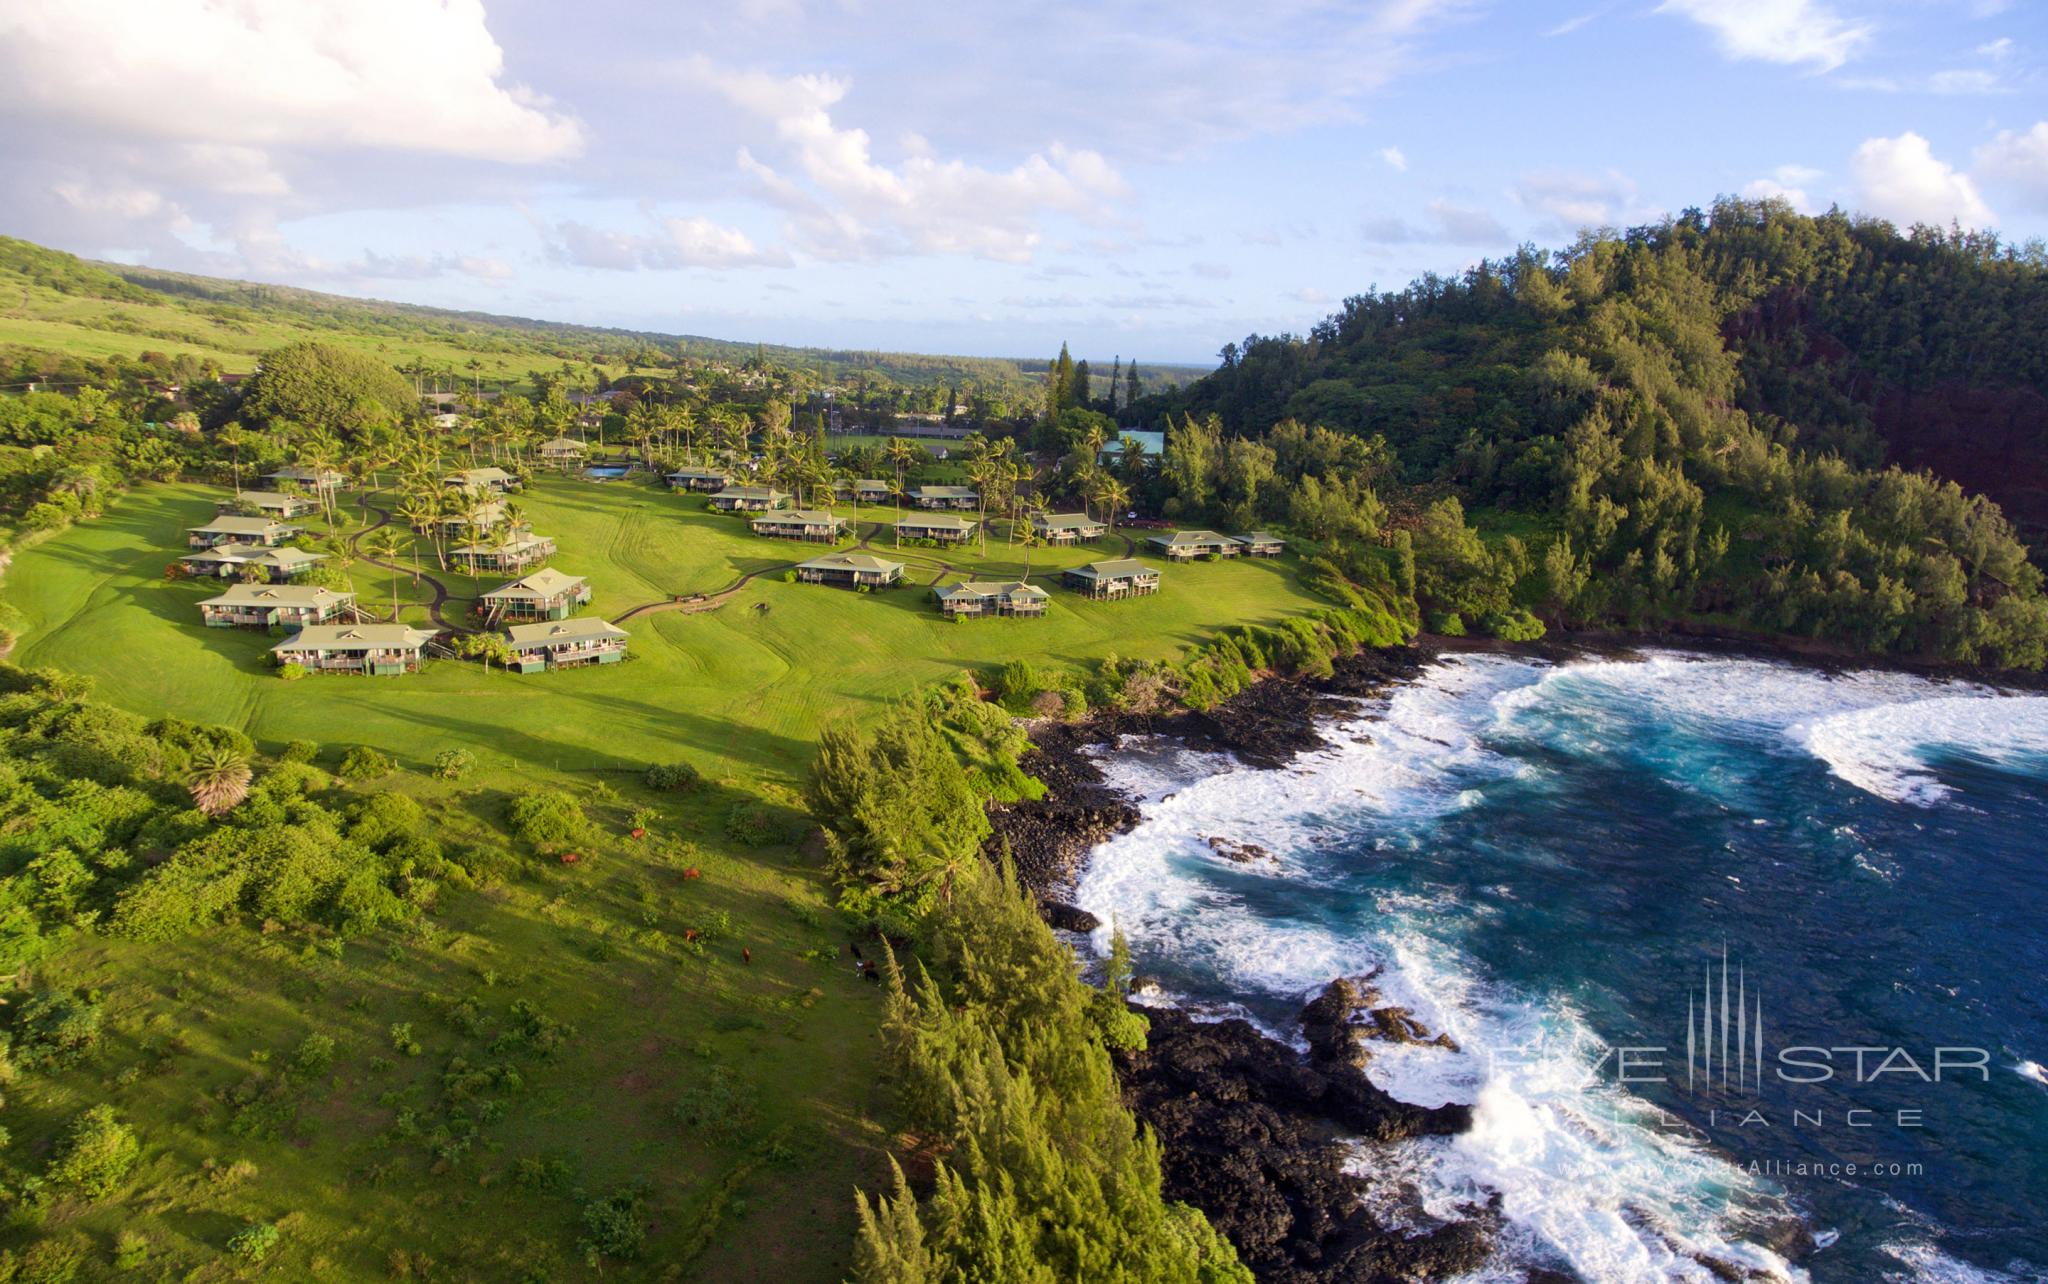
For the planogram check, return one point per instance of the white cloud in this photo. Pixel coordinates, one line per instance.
(1784, 31)
(1395, 158)
(1313, 297)
(1966, 80)
(1901, 179)
(1443, 224)
(1211, 271)
(2018, 159)
(845, 204)
(1572, 201)
(674, 243)
(1787, 183)
(413, 75)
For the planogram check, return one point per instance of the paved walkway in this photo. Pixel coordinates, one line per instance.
(441, 594)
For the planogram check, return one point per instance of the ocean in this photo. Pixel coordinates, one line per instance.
(1715, 939)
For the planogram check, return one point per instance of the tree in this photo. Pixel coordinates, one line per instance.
(219, 780)
(320, 383)
(96, 1151)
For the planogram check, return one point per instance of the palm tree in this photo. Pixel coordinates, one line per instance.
(343, 551)
(219, 780)
(1032, 508)
(1114, 496)
(388, 544)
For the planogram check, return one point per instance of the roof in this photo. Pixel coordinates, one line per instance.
(543, 583)
(802, 517)
(852, 562)
(946, 520)
(750, 492)
(990, 588)
(354, 637)
(277, 595)
(1179, 538)
(255, 553)
(1260, 537)
(869, 483)
(483, 514)
(476, 476)
(587, 629)
(295, 472)
(946, 492)
(563, 443)
(268, 498)
(517, 544)
(1154, 443)
(236, 524)
(701, 472)
(1116, 568)
(1064, 521)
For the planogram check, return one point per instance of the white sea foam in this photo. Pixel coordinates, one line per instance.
(1926, 1264)
(2033, 1070)
(1582, 1177)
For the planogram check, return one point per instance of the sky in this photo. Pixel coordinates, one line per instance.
(1137, 178)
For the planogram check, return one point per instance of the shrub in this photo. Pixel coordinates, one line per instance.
(55, 1028)
(57, 1260)
(291, 671)
(314, 1057)
(754, 824)
(300, 751)
(365, 763)
(1016, 684)
(612, 1226)
(547, 820)
(94, 1153)
(382, 819)
(454, 764)
(253, 1242)
(673, 777)
(1447, 623)
(1514, 625)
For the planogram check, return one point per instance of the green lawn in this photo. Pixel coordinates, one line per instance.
(354, 1169)
(743, 688)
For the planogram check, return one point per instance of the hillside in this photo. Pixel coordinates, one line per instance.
(55, 305)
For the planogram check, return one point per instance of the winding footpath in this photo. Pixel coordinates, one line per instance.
(441, 593)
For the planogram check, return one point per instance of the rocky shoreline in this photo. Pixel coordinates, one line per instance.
(1261, 1136)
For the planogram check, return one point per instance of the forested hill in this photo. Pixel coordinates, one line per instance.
(1718, 419)
(1834, 334)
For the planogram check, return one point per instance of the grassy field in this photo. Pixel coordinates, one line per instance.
(739, 1097)
(743, 688)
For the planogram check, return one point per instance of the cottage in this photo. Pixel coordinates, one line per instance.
(869, 491)
(943, 530)
(851, 570)
(277, 565)
(479, 480)
(749, 499)
(355, 648)
(944, 497)
(235, 529)
(976, 597)
(561, 644)
(521, 549)
(562, 452)
(543, 595)
(477, 519)
(1151, 446)
(265, 606)
(270, 503)
(1261, 544)
(699, 479)
(1184, 546)
(803, 524)
(313, 479)
(1067, 528)
(1124, 577)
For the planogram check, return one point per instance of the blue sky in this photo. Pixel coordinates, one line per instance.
(1141, 179)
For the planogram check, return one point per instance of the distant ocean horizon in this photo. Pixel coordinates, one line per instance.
(1718, 940)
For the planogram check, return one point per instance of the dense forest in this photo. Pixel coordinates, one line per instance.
(1748, 418)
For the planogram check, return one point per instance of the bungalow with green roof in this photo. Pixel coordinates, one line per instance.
(1262, 544)
(699, 479)
(945, 497)
(313, 479)
(562, 452)
(1185, 546)
(749, 499)
(478, 480)
(355, 648)
(944, 530)
(270, 503)
(521, 549)
(478, 518)
(1123, 577)
(544, 595)
(803, 523)
(230, 560)
(867, 490)
(232, 528)
(265, 606)
(852, 570)
(1067, 528)
(977, 597)
(563, 644)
